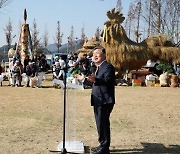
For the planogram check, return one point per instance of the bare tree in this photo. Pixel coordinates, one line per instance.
(162, 16)
(138, 11)
(119, 5)
(83, 36)
(4, 3)
(35, 39)
(157, 5)
(71, 40)
(148, 14)
(97, 34)
(156, 13)
(130, 18)
(170, 20)
(45, 38)
(8, 33)
(59, 36)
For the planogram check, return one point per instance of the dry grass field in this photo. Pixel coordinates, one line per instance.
(144, 120)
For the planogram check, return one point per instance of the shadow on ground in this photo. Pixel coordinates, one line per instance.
(155, 148)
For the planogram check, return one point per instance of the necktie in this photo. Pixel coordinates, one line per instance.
(97, 69)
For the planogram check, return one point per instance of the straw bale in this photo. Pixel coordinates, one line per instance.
(84, 51)
(124, 56)
(88, 46)
(92, 43)
(158, 40)
(169, 54)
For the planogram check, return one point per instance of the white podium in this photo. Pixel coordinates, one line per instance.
(69, 143)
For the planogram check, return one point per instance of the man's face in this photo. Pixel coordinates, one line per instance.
(98, 56)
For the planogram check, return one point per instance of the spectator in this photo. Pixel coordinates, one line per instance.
(31, 71)
(55, 59)
(62, 62)
(16, 74)
(42, 68)
(75, 57)
(75, 70)
(178, 70)
(71, 61)
(0, 75)
(17, 57)
(57, 72)
(42, 63)
(26, 62)
(84, 68)
(84, 59)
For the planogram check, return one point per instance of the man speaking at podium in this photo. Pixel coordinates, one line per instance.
(102, 97)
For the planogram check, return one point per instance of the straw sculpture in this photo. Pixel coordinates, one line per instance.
(126, 54)
(122, 52)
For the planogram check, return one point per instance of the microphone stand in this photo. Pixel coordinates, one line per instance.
(63, 150)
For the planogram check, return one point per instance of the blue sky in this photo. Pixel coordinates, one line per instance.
(89, 14)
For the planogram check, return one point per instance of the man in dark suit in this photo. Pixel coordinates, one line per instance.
(102, 98)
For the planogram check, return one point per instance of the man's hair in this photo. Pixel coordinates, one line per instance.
(103, 50)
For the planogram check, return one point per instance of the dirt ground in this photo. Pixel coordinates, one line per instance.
(144, 120)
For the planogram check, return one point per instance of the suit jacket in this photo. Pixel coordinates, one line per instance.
(103, 90)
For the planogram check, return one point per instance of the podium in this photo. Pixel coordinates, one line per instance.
(69, 143)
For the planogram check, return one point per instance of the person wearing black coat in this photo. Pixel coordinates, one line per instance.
(31, 71)
(102, 97)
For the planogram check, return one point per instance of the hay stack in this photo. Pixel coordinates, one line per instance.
(88, 46)
(168, 54)
(159, 48)
(125, 56)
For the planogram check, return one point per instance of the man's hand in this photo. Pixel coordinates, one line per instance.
(80, 77)
(92, 78)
